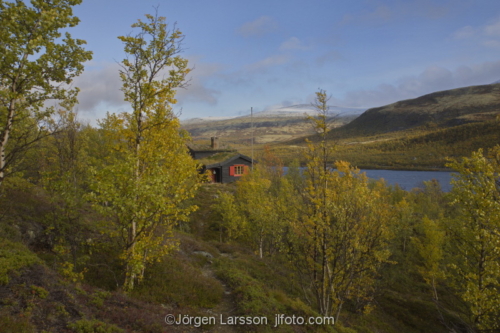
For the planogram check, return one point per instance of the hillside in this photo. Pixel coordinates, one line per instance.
(415, 134)
(206, 276)
(442, 109)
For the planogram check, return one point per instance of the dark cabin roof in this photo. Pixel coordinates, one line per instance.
(200, 151)
(213, 158)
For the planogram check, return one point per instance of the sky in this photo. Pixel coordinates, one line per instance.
(266, 54)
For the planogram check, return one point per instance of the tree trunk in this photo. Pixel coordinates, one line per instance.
(5, 140)
(131, 264)
(130, 274)
(261, 245)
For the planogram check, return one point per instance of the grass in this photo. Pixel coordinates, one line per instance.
(177, 280)
(259, 290)
(423, 148)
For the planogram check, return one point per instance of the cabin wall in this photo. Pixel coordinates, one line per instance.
(226, 177)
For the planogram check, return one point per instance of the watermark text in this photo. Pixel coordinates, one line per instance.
(279, 319)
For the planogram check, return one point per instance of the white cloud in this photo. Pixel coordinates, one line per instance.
(99, 86)
(429, 8)
(198, 92)
(293, 43)
(329, 57)
(261, 26)
(486, 35)
(493, 29)
(491, 43)
(465, 32)
(346, 19)
(288, 102)
(271, 61)
(435, 78)
(432, 79)
(381, 13)
(374, 13)
(198, 89)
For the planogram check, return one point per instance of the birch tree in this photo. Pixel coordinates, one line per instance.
(37, 66)
(431, 248)
(475, 237)
(145, 182)
(257, 211)
(64, 169)
(339, 240)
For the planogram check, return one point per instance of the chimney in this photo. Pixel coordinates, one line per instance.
(215, 142)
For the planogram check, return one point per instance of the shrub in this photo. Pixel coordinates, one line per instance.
(93, 326)
(13, 257)
(10, 324)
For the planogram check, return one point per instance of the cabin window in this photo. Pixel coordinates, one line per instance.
(238, 170)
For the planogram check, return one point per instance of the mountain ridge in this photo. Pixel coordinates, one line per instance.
(270, 126)
(442, 109)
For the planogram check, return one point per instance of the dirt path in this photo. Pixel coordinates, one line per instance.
(226, 307)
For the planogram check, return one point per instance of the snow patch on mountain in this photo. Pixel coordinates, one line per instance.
(306, 109)
(191, 121)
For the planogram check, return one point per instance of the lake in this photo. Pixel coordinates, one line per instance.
(408, 180)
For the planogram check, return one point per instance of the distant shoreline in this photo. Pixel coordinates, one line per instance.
(398, 168)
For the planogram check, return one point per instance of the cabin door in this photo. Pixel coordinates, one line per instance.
(215, 175)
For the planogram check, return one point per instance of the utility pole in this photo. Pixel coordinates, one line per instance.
(251, 122)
